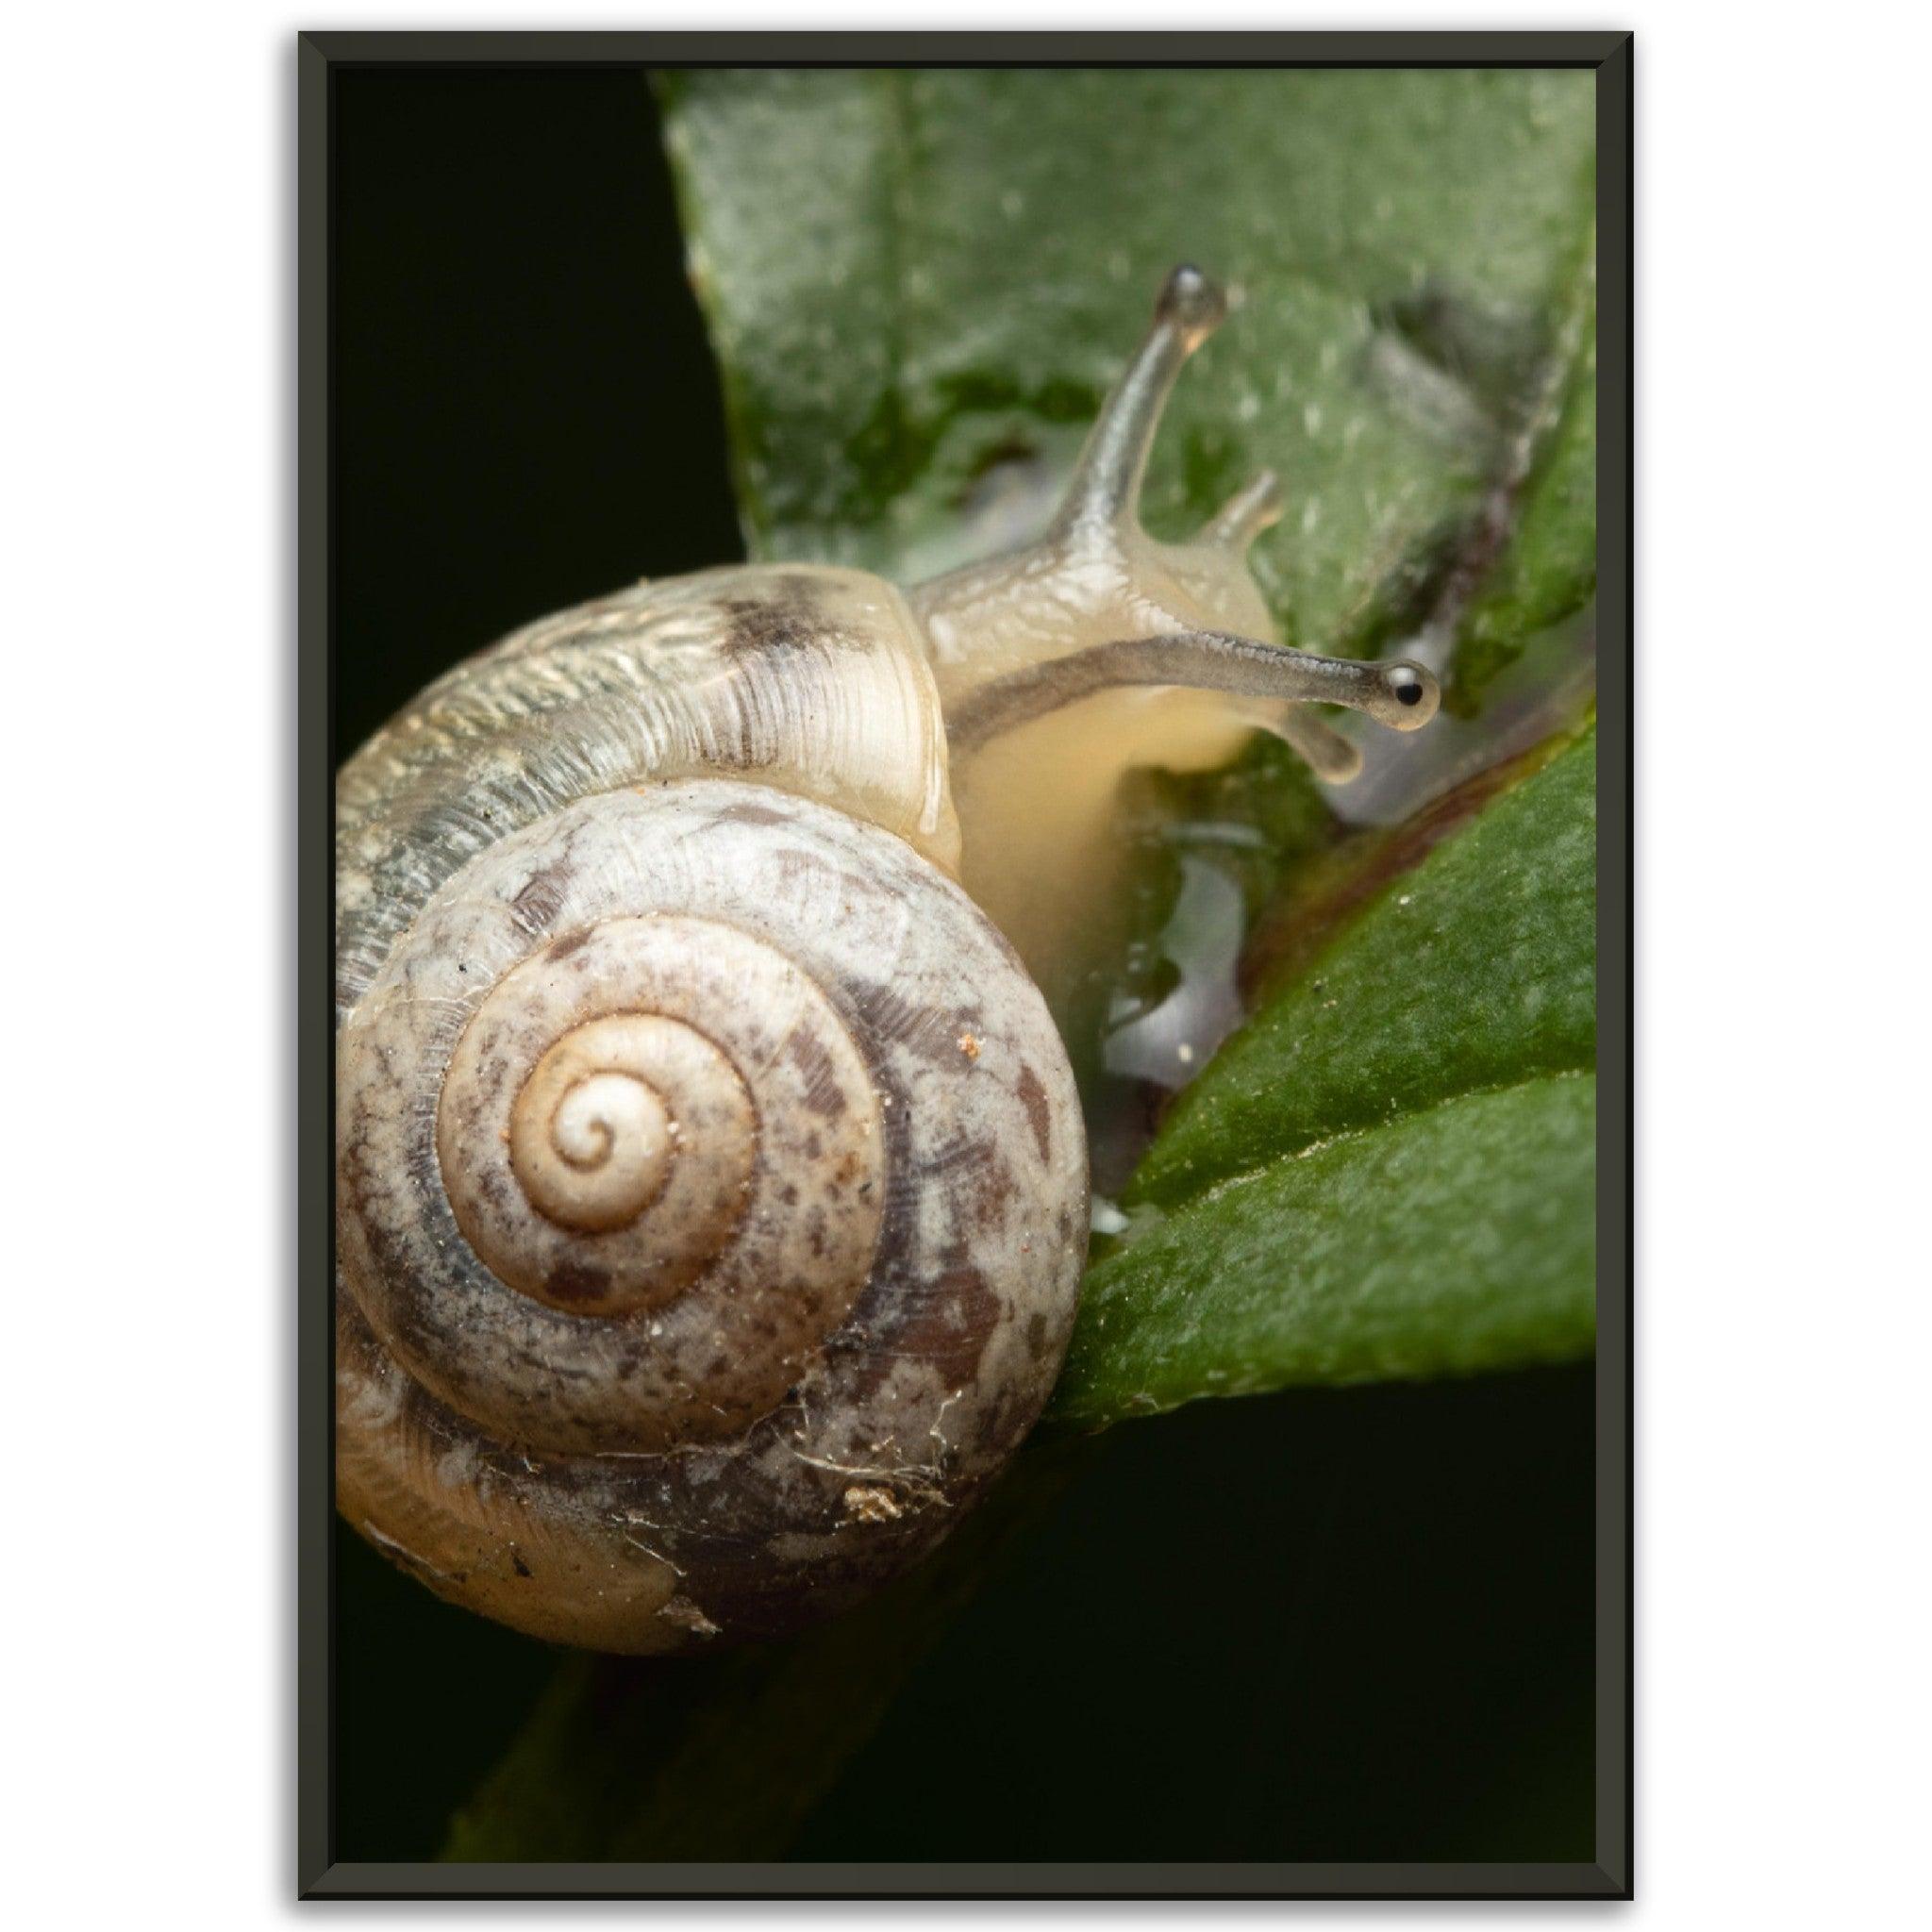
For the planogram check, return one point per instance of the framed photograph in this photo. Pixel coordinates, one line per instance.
(966, 1029)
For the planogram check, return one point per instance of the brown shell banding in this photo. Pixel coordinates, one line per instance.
(812, 679)
(771, 1208)
(486, 1477)
(601, 1128)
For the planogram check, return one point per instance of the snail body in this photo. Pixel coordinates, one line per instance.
(711, 1186)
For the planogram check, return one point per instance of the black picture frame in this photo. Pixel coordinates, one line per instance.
(321, 57)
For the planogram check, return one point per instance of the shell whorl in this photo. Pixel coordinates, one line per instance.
(612, 1115)
(706, 1161)
(591, 1133)
(811, 679)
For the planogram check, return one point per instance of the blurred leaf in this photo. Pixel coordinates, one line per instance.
(1547, 570)
(920, 284)
(1390, 1170)
(724, 1757)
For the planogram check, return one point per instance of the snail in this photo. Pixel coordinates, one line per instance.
(711, 1184)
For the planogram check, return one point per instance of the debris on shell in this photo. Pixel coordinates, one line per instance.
(686, 1616)
(869, 1503)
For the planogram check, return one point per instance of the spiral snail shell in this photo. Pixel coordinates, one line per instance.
(711, 1185)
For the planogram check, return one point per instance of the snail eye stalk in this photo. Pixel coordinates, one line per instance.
(1399, 694)
(1105, 490)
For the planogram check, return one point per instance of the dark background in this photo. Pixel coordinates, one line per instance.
(528, 412)
(1339, 1625)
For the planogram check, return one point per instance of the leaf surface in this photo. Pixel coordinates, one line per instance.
(1390, 1170)
(921, 283)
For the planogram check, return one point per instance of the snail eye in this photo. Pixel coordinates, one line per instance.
(1407, 688)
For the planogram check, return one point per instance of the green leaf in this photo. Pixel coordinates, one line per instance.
(1546, 572)
(920, 284)
(1390, 1170)
(1475, 969)
(1459, 1237)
